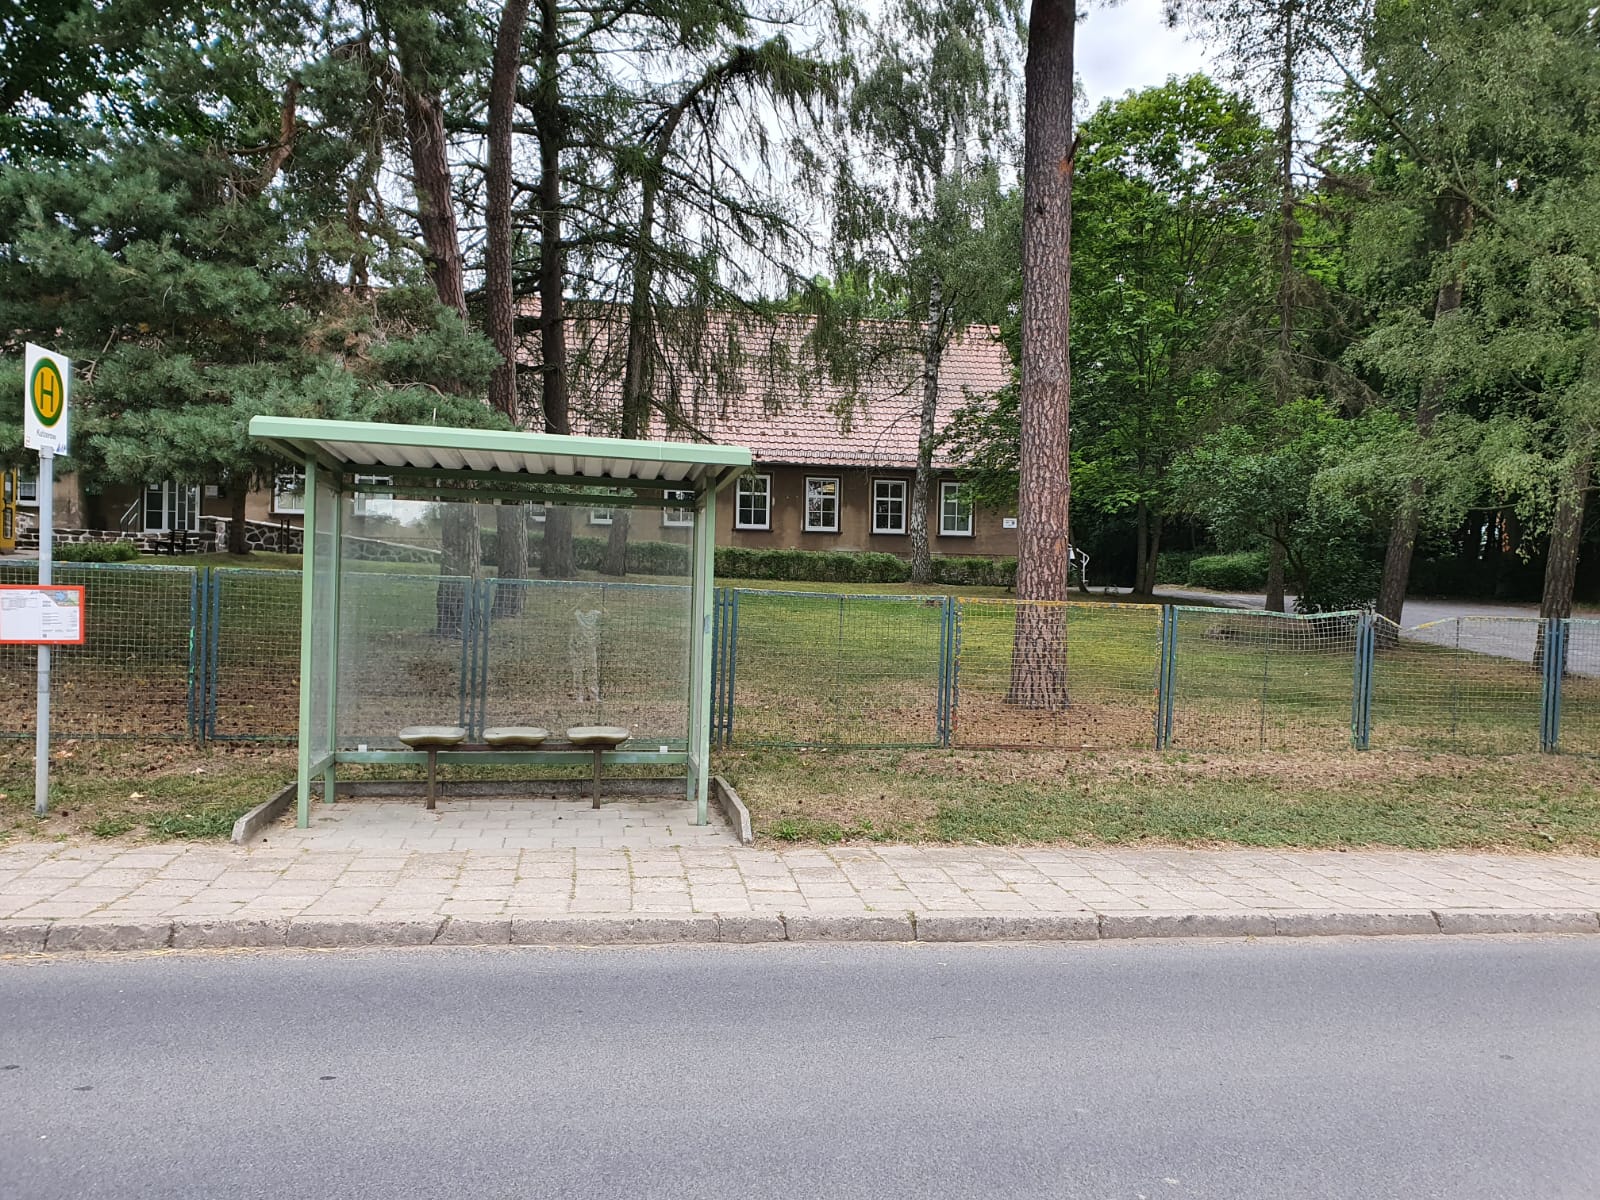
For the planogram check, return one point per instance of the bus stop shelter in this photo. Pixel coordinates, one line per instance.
(374, 649)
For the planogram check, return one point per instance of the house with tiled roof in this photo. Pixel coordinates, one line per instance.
(835, 446)
(835, 449)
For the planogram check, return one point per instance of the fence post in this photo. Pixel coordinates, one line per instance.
(469, 657)
(1554, 637)
(214, 579)
(197, 655)
(1166, 676)
(732, 652)
(1361, 689)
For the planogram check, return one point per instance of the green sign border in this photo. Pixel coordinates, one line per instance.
(47, 422)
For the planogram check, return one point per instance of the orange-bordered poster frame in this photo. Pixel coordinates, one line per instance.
(83, 614)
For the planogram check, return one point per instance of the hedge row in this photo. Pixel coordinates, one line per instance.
(787, 566)
(1243, 571)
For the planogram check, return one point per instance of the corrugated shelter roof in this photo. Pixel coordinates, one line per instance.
(433, 449)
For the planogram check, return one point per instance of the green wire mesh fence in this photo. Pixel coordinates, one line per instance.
(137, 673)
(212, 654)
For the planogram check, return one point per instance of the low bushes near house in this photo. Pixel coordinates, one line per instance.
(1241, 571)
(94, 552)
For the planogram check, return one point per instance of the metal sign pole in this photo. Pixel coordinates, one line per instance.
(41, 743)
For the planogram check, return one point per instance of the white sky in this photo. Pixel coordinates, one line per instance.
(1129, 46)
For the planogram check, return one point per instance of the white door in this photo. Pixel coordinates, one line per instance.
(169, 506)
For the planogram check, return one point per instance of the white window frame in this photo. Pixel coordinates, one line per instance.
(904, 501)
(282, 482)
(27, 481)
(602, 516)
(678, 518)
(945, 490)
(173, 496)
(838, 490)
(742, 493)
(537, 510)
(360, 500)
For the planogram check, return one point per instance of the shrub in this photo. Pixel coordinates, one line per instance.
(95, 552)
(1172, 566)
(1242, 571)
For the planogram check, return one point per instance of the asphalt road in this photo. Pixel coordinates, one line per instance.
(1413, 1068)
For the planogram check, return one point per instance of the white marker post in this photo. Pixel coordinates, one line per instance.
(48, 383)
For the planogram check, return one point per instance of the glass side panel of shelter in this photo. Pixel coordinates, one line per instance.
(441, 624)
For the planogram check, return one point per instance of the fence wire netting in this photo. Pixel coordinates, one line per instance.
(1261, 681)
(558, 654)
(818, 669)
(1468, 684)
(251, 662)
(1580, 689)
(1101, 689)
(214, 654)
(135, 676)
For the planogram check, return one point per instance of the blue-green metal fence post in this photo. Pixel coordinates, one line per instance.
(947, 621)
(1361, 687)
(486, 589)
(1553, 636)
(469, 657)
(194, 702)
(1166, 676)
(213, 654)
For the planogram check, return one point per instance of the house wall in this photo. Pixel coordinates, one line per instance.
(990, 538)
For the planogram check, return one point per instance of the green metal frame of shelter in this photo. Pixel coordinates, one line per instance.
(472, 465)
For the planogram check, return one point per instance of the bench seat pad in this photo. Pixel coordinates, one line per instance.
(515, 735)
(598, 735)
(421, 737)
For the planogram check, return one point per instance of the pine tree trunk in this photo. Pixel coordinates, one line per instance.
(460, 548)
(1038, 658)
(1275, 587)
(501, 315)
(238, 493)
(550, 123)
(1402, 547)
(615, 559)
(436, 213)
(1150, 580)
(1566, 536)
(1141, 546)
(511, 557)
(932, 354)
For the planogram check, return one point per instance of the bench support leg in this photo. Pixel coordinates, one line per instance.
(597, 759)
(433, 777)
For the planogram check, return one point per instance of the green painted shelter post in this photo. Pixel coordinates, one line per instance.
(700, 665)
(308, 621)
(336, 573)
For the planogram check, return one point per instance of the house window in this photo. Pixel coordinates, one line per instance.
(600, 516)
(289, 492)
(753, 507)
(27, 489)
(360, 500)
(822, 505)
(888, 506)
(536, 512)
(955, 513)
(169, 506)
(678, 518)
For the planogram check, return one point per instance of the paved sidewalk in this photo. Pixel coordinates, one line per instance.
(95, 896)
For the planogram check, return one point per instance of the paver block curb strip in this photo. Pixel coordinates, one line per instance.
(742, 928)
(229, 934)
(262, 815)
(1031, 927)
(475, 931)
(606, 931)
(335, 931)
(733, 810)
(23, 937)
(1155, 925)
(819, 927)
(1340, 924)
(109, 935)
(1510, 922)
